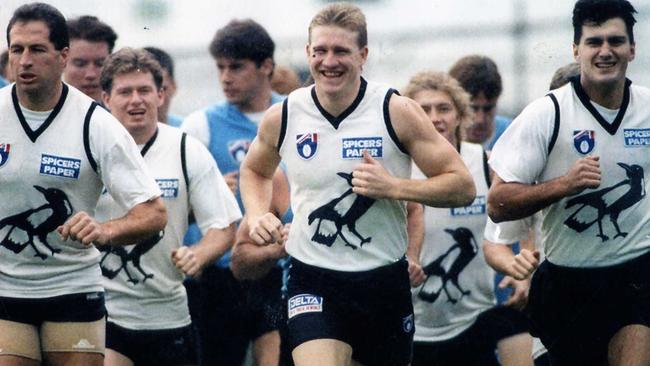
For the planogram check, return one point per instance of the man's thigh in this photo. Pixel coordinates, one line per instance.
(322, 352)
(19, 340)
(630, 346)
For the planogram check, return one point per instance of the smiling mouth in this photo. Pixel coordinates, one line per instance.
(605, 65)
(332, 74)
(136, 112)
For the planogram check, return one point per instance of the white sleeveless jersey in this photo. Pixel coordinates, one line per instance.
(333, 227)
(598, 227)
(459, 284)
(49, 175)
(144, 290)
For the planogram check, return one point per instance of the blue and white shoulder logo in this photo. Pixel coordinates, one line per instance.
(307, 145)
(59, 166)
(4, 153)
(352, 148)
(238, 149)
(305, 303)
(634, 137)
(584, 141)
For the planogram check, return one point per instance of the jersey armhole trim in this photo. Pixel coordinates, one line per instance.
(283, 125)
(486, 169)
(86, 134)
(389, 123)
(184, 162)
(556, 123)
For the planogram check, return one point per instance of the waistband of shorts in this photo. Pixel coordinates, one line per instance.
(397, 267)
(635, 264)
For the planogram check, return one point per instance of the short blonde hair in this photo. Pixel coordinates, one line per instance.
(440, 81)
(342, 15)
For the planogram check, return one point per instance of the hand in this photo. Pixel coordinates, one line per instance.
(266, 229)
(185, 260)
(232, 180)
(519, 296)
(523, 264)
(416, 274)
(371, 179)
(84, 229)
(584, 173)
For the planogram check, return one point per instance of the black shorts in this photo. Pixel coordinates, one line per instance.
(576, 311)
(83, 307)
(477, 345)
(371, 311)
(153, 347)
(264, 300)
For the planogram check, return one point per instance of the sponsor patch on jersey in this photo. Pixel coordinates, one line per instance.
(352, 148)
(238, 149)
(168, 187)
(307, 145)
(59, 166)
(584, 141)
(478, 207)
(4, 153)
(635, 137)
(305, 303)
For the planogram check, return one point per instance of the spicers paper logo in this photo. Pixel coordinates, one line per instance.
(59, 166)
(168, 187)
(634, 137)
(353, 147)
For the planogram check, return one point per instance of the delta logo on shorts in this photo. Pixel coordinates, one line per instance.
(584, 141)
(238, 149)
(307, 145)
(4, 153)
(305, 303)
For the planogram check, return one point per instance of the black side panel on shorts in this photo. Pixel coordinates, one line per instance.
(184, 163)
(556, 126)
(283, 126)
(486, 169)
(89, 154)
(389, 124)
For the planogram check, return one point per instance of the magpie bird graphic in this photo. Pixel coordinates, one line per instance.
(592, 207)
(448, 266)
(132, 256)
(341, 215)
(36, 223)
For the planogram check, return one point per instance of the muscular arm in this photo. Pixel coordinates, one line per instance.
(192, 260)
(448, 184)
(415, 229)
(513, 201)
(256, 175)
(249, 260)
(141, 222)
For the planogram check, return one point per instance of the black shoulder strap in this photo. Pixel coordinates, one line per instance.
(86, 136)
(486, 169)
(184, 162)
(556, 125)
(283, 126)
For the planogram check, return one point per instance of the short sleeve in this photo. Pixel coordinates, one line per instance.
(196, 125)
(507, 232)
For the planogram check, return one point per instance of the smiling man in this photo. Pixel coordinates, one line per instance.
(581, 154)
(348, 145)
(91, 41)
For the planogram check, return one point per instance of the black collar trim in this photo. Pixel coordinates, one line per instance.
(149, 143)
(33, 135)
(586, 102)
(336, 121)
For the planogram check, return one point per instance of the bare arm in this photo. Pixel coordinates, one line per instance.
(448, 184)
(256, 174)
(141, 222)
(415, 229)
(513, 201)
(192, 260)
(251, 261)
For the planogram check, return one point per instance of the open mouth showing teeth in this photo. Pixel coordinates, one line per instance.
(332, 74)
(138, 112)
(605, 65)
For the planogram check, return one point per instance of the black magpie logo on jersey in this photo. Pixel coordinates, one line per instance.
(307, 145)
(36, 223)
(592, 207)
(584, 141)
(125, 257)
(238, 149)
(448, 267)
(343, 211)
(4, 153)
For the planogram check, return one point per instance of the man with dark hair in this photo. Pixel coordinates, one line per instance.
(58, 152)
(227, 321)
(91, 41)
(189, 178)
(168, 86)
(480, 77)
(580, 155)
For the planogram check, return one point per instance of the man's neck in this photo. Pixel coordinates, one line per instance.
(40, 100)
(608, 95)
(337, 103)
(143, 135)
(259, 103)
